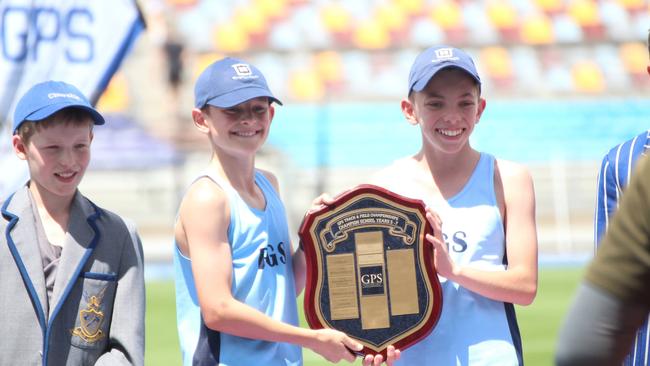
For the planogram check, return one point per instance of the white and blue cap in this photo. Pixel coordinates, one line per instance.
(437, 58)
(44, 99)
(228, 82)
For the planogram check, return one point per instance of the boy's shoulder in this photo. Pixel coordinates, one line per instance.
(634, 145)
(206, 192)
(509, 168)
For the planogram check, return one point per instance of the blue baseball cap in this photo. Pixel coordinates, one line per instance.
(228, 82)
(44, 99)
(437, 58)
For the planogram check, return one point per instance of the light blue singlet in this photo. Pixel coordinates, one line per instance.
(262, 277)
(472, 329)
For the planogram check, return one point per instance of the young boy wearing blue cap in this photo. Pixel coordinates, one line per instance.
(237, 275)
(483, 213)
(71, 273)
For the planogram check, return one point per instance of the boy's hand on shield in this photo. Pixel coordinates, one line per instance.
(392, 355)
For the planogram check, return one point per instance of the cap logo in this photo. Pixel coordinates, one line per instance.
(444, 54)
(243, 71)
(63, 95)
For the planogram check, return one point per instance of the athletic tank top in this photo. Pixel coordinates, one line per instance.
(472, 329)
(262, 277)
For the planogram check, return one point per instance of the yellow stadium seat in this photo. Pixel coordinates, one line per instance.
(391, 17)
(588, 77)
(550, 7)
(329, 66)
(497, 63)
(254, 23)
(305, 85)
(537, 30)
(338, 22)
(336, 18)
(250, 20)
(587, 14)
(502, 14)
(504, 18)
(230, 38)
(411, 7)
(272, 9)
(371, 35)
(448, 15)
(634, 56)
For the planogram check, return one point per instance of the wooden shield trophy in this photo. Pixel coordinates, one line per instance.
(370, 273)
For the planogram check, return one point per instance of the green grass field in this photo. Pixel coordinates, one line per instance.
(539, 322)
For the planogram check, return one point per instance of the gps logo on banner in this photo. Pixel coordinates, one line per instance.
(25, 30)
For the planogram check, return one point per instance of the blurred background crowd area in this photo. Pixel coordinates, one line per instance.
(331, 49)
(565, 80)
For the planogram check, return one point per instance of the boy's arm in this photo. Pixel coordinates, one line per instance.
(518, 283)
(126, 334)
(212, 269)
(606, 198)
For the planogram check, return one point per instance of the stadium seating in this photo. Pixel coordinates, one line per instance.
(571, 46)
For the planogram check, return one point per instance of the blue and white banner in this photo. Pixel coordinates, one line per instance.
(81, 42)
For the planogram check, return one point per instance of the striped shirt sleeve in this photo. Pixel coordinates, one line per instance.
(615, 171)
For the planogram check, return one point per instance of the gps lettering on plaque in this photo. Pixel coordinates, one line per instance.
(271, 256)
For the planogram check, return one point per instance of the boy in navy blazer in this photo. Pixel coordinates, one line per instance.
(71, 273)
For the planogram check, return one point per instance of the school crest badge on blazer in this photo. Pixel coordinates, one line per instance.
(91, 319)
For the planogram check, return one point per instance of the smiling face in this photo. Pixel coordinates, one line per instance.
(447, 110)
(241, 129)
(57, 153)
